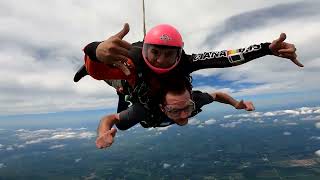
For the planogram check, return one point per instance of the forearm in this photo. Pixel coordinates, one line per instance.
(90, 50)
(229, 58)
(106, 123)
(224, 98)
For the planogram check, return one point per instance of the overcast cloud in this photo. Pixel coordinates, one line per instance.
(41, 46)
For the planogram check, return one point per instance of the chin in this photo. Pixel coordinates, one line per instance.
(182, 122)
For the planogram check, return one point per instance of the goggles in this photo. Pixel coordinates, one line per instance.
(175, 112)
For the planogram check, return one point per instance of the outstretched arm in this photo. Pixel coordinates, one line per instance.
(226, 99)
(105, 131)
(235, 57)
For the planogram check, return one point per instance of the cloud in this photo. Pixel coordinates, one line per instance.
(166, 165)
(286, 133)
(254, 19)
(311, 118)
(1, 146)
(288, 112)
(2, 165)
(158, 130)
(317, 153)
(60, 146)
(163, 128)
(292, 124)
(182, 165)
(200, 124)
(193, 121)
(315, 137)
(230, 125)
(47, 135)
(91, 176)
(210, 121)
(77, 160)
(317, 125)
(9, 148)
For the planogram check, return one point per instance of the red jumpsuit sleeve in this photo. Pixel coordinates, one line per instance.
(101, 71)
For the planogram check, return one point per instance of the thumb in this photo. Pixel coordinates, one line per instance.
(282, 37)
(242, 105)
(123, 68)
(124, 31)
(113, 131)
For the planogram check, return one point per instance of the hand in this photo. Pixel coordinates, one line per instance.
(106, 139)
(247, 105)
(285, 50)
(115, 51)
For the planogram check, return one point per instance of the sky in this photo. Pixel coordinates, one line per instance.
(41, 49)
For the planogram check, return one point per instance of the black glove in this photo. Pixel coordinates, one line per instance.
(82, 72)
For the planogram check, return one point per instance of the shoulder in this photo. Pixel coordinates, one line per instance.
(201, 98)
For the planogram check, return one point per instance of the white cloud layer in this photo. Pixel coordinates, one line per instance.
(166, 165)
(317, 153)
(287, 133)
(311, 111)
(210, 121)
(317, 125)
(60, 146)
(2, 165)
(42, 42)
(48, 135)
(77, 160)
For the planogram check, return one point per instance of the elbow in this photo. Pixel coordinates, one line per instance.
(122, 126)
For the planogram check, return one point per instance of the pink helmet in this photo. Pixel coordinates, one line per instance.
(163, 36)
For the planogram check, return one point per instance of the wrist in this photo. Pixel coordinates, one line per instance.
(266, 47)
(90, 50)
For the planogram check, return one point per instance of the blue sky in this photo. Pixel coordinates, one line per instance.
(41, 49)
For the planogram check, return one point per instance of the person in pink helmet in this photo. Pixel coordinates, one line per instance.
(162, 51)
(142, 66)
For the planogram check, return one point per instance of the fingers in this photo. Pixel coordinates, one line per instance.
(295, 61)
(281, 38)
(288, 55)
(240, 105)
(113, 131)
(118, 50)
(106, 139)
(292, 57)
(288, 50)
(122, 67)
(249, 106)
(124, 31)
(102, 143)
(123, 44)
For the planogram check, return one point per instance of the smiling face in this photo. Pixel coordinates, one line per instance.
(178, 107)
(162, 57)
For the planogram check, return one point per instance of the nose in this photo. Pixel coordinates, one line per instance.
(161, 59)
(184, 114)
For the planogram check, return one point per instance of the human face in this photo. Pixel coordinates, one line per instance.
(178, 107)
(161, 56)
